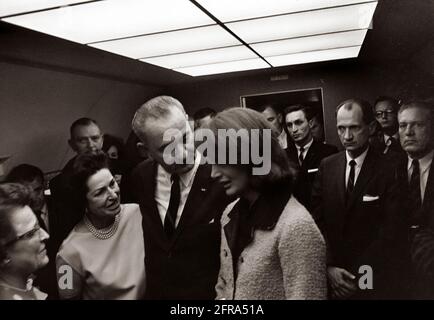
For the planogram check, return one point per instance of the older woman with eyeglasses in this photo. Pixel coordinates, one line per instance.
(103, 256)
(22, 244)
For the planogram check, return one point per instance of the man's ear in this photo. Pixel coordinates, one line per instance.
(72, 145)
(142, 149)
(310, 123)
(280, 119)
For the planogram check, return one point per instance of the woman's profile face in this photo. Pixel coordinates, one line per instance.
(26, 251)
(234, 179)
(103, 196)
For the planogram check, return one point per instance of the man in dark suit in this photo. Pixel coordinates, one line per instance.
(357, 207)
(304, 151)
(386, 110)
(416, 136)
(180, 203)
(85, 136)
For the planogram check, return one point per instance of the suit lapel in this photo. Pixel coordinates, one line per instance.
(231, 228)
(311, 155)
(429, 189)
(340, 186)
(149, 205)
(201, 184)
(365, 175)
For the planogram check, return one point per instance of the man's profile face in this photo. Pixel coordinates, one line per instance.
(156, 145)
(86, 139)
(273, 118)
(386, 115)
(352, 130)
(415, 131)
(298, 127)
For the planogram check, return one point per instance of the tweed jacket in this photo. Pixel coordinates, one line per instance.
(286, 258)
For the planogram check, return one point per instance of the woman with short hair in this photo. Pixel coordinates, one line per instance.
(271, 247)
(22, 244)
(103, 256)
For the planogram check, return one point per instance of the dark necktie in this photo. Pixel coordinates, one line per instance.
(300, 157)
(415, 185)
(389, 143)
(172, 210)
(351, 177)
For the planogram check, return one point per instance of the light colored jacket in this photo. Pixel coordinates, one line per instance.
(286, 262)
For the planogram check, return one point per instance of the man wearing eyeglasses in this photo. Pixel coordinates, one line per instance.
(386, 114)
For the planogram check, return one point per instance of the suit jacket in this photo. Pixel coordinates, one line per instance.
(421, 238)
(186, 266)
(65, 203)
(377, 142)
(368, 228)
(308, 171)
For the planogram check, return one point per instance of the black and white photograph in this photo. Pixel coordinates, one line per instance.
(214, 156)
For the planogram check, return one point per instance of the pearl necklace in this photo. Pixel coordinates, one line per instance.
(104, 233)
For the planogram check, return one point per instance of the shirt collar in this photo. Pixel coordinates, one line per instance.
(386, 137)
(305, 147)
(359, 160)
(186, 178)
(424, 163)
(266, 210)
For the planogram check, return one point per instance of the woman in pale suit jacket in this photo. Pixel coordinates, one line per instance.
(271, 248)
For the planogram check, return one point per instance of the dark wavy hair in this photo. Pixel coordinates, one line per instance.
(281, 171)
(12, 197)
(85, 166)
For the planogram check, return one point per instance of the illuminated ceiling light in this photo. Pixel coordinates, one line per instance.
(313, 56)
(305, 24)
(314, 43)
(224, 67)
(202, 57)
(11, 7)
(113, 19)
(229, 10)
(170, 42)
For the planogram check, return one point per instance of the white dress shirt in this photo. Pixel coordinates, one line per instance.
(424, 166)
(359, 163)
(305, 149)
(164, 185)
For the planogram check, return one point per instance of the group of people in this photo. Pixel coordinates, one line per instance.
(319, 224)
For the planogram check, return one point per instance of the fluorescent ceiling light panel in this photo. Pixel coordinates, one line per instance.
(10, 7)
(313, 56)
(230, 10)
(224, 67)
(305, 24)
(113, 19)
(202, 57)
(314, 43)
(170, 42)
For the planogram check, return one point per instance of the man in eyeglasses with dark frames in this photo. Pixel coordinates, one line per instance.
(386, 111)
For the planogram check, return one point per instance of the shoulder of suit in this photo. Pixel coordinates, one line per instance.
(334, 157)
